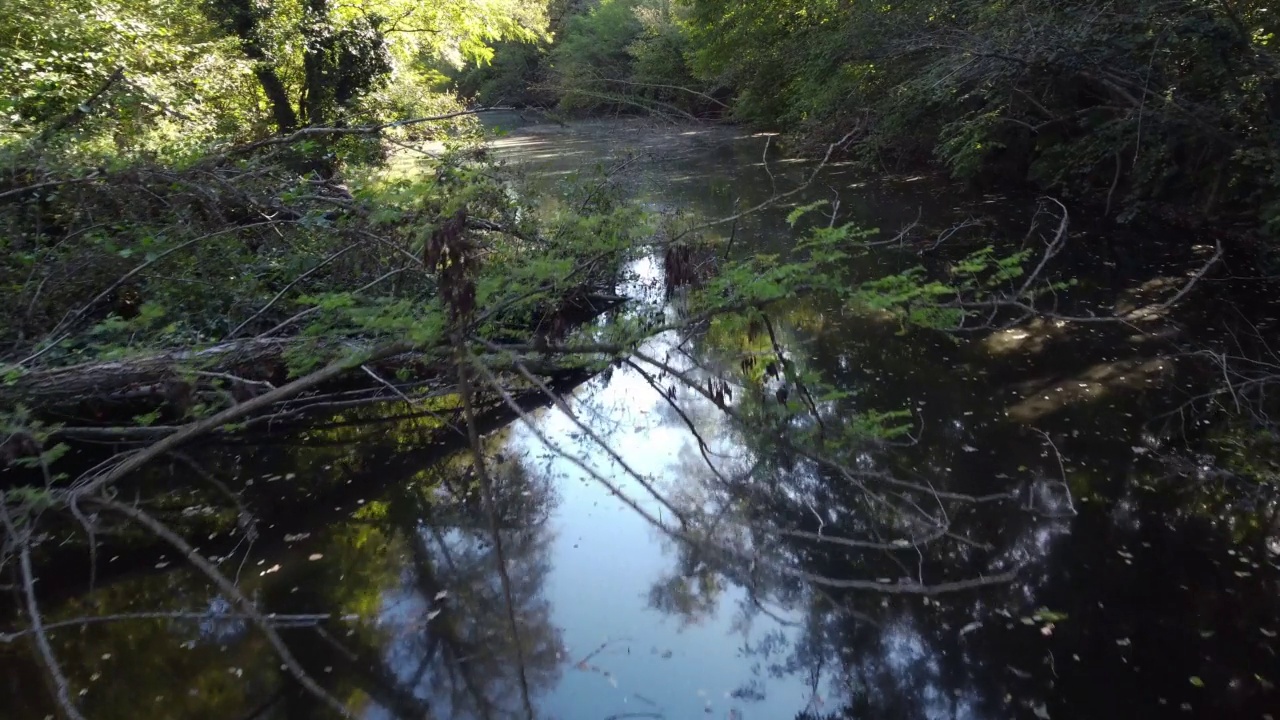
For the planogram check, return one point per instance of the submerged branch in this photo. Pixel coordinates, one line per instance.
(22, 539)
(228, 588)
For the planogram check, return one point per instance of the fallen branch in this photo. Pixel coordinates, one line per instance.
(310, 132)
(89, 484)
(274, 619)
(101, 380)
(76, 315)
(50, 661)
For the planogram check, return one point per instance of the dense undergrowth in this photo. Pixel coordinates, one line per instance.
(1157, 109)
(197, 200)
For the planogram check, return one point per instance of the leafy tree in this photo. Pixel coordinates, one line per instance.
(613, 56)
(1129, 105)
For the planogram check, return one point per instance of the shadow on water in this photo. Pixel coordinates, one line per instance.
(1148, 590)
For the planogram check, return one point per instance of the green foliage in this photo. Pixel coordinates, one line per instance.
(27, 444)
(1133, 105)
(179, 79)
(593, 50)
(162, 79)
(512, 77)
(1249, 452)
(916, 297)
(609, 57)
(875, 425)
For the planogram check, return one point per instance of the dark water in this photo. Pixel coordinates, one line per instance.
(1145, 577)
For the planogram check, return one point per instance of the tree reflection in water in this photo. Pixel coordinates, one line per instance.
(1154, 582)
(411, 575)
(1145, 583)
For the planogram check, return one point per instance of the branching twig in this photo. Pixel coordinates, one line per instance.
(311, 132)
(319, 266)
(491, 509)
(23, 540)
(276, 620)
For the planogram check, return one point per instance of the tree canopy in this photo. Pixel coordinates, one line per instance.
(167, 77)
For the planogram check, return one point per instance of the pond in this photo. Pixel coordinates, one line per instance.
(661, 562)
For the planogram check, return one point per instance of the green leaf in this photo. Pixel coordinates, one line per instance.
(794, 216)
(1047, 615)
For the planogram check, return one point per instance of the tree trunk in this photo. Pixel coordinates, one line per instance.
(281, 110)
(256, 361)
(241, 18)
(245, 368)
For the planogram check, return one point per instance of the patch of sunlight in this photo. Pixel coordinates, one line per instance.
(554, 155)
(1145, 302)
(1163, 334)
(516, 141)
(879, 315)
(1030, 337)
(555, 173)
(1095, 382)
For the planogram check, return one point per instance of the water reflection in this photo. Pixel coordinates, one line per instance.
(766, 581)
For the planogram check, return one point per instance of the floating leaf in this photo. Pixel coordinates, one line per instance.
(1049, 616)
(1196, 681)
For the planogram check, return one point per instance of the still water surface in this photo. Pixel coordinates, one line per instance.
(1142, 587)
